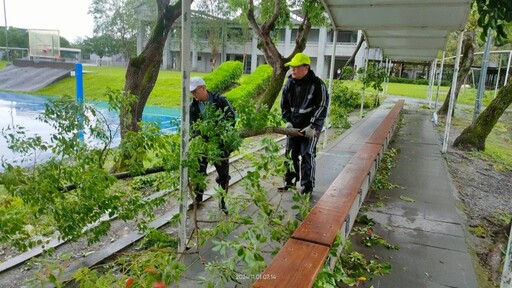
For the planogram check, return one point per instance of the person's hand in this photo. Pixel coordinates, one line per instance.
(309, 132)
(288, 125)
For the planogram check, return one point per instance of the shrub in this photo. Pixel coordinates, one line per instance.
(253, 85)
(347, 73)
(343, 100)
(416, 81)
(224, 76)
(344, 97)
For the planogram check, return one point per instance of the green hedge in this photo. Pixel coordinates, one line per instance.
(253, 85)
(224, 76)
(416, 81)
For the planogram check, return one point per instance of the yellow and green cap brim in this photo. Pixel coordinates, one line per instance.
(298, 60)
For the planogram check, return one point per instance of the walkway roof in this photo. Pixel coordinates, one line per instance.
(414, 30)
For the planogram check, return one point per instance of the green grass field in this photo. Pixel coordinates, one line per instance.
(97, 79)
(166, 92)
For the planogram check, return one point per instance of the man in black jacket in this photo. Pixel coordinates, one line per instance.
(205, 102)
(304, 105)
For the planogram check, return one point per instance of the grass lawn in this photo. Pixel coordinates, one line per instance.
(166, 92)
(97, 79)
(466, 95)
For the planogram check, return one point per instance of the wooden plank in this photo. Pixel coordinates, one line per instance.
(325, 220)
(321, 225)
(296, 265)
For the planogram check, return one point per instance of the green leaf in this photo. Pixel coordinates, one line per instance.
(406, 199)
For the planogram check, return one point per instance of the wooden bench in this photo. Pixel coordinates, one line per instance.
(302, 257)
(296, 265)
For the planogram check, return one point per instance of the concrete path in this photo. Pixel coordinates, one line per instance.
(429, 232)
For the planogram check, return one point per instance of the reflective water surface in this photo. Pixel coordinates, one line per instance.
(23, 110)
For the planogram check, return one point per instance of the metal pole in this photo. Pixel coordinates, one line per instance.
(364, 77)
(185, 125)
(6, 35)
(506, 276)
(508, 67)
(79, 79)
(431, 82)
(452, 94)
(439, 80)
(331, 79)
(387, 76)
(483, 75)
(498, 78)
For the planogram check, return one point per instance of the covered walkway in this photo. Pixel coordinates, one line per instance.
(428, 231)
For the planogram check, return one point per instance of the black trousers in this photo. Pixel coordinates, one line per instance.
(302, 151)
(222, 168)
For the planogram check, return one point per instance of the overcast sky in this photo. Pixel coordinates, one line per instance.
(68, 16)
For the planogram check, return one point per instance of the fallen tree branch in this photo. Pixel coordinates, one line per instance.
(269, 130)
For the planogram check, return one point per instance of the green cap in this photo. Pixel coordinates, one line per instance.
(299, 59)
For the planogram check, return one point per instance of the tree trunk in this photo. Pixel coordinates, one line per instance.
(272, 55)
(141, 75)
(474, 136)
(468, 50)
(353, 56)
(269, 97)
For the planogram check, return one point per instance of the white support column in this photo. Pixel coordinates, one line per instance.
(194, 60)
(329, 90)
(431, 79)
(365, 70)
(320, 59)
(185, 126)
(140, 37)
(508, 67)
(287, 41)
(506, 276)
(498, 78)
(254, 53)
(452, 94)
(439, 80)
(389, 65)
(483, 75)
(166, 57)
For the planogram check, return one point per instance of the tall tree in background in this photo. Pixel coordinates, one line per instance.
(265, 20)
(102, 46)
(117, 20)
(495, 15)
(466, 61)
(211, 18)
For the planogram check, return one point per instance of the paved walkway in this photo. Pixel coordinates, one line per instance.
(433, 251)
(429, 232)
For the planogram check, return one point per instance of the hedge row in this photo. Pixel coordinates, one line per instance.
(416, 81)
(224, 76)
(253, 85)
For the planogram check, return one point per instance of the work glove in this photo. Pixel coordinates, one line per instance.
(309, 132)
(288, 125)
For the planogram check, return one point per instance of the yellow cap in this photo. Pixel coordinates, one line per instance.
(299, 59)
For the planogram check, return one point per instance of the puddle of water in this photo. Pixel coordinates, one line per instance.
(23, 110)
